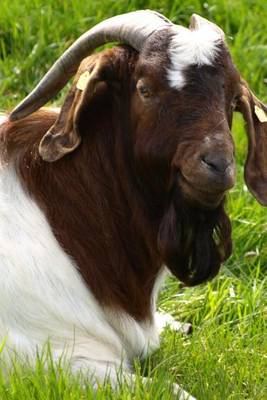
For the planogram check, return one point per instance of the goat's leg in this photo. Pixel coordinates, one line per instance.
(163, 320)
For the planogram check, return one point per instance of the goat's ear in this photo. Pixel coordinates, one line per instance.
(255, 115)
(63, 137)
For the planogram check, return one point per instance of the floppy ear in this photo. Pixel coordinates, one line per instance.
(255, 115)
(63, 137)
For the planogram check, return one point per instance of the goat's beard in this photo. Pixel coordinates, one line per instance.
(193, 242)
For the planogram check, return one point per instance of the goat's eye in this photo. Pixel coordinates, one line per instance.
(143, 90)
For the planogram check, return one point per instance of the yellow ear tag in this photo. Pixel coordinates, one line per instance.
(261, 114)
(83, 80)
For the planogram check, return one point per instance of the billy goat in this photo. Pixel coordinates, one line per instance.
(125, 182)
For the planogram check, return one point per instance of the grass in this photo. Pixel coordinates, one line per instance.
(226, 356)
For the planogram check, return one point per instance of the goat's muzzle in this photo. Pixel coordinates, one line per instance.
(205, 177)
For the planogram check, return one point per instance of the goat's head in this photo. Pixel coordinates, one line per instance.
(185, 97)
(181, 88)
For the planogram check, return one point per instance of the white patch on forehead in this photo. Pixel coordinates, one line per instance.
(190, 47)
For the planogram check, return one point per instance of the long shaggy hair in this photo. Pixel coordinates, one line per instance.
(193, 241)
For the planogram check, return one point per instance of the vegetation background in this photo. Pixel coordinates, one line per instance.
(226, 355)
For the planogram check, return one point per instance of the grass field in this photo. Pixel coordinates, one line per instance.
(226, 356)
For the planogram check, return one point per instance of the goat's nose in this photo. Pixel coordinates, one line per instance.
(217, 163)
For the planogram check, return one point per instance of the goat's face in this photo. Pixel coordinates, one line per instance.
(183, 120)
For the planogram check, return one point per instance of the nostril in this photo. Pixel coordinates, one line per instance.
(215, 163)
(209, 163)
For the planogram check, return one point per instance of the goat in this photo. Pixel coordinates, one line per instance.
(126, 182)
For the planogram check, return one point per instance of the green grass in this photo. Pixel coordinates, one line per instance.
(226, 356)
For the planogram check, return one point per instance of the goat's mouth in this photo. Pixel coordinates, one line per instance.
(203, 196)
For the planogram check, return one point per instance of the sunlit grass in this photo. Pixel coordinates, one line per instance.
(226, 356)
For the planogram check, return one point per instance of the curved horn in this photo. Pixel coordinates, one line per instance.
(132, 28)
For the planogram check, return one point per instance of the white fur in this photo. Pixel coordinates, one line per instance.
(188, 47)
(164, 320)
(3, 118)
